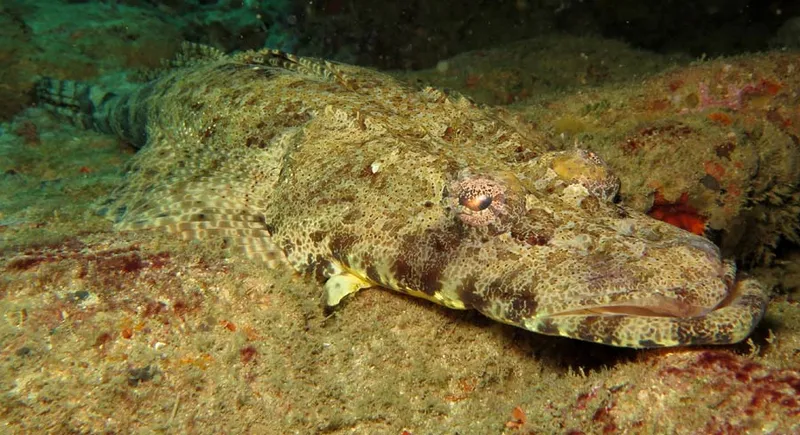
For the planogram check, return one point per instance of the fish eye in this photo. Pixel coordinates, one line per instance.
(482, 202)
(476, 202)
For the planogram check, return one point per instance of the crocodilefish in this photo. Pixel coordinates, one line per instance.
(359, 180)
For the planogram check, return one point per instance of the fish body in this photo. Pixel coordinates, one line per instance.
(358, 180)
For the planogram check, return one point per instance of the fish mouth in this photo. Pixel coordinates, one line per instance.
(651, 307)
(659, 305)
(679, 301)
(662, 322)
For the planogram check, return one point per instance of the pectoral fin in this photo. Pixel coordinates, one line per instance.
(340, 285)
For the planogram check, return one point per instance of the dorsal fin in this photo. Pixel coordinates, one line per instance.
(189, 54)
(308, 66)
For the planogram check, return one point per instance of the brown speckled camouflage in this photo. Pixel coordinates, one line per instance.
(359, 181)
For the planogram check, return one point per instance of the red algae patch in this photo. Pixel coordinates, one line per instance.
(678, 213)
(745, 395)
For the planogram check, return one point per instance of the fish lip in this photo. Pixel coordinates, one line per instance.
(731, 321)
(653, 307)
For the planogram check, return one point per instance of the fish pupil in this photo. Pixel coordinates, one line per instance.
(476, 203)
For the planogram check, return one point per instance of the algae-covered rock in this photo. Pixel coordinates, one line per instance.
(534, 70)
(709, 146)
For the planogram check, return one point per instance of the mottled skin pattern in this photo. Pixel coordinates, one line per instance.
(360, 181)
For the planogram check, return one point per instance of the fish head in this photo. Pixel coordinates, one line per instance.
(537, 243)
(544, 247)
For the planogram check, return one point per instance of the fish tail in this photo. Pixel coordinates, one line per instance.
(93, 107)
